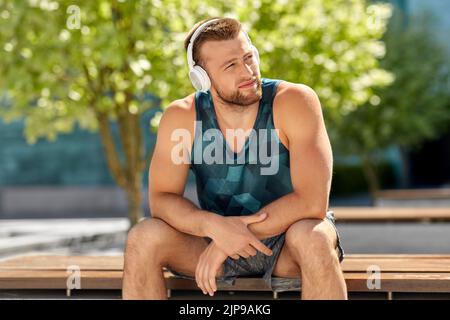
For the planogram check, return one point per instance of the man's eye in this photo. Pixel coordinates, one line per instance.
(230, 65)
(250, 56)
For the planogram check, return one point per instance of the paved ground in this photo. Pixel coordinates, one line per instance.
(411, 237)
(65, 236)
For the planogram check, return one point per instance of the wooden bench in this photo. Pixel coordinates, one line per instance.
(399, 273)
(365, 214)
(405, 194)
(440, 197)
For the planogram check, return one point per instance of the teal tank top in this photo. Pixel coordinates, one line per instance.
(233, 184)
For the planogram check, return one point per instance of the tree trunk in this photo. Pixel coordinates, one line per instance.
(371, 176)
(132, 146)
(127, 174)
(134, 197)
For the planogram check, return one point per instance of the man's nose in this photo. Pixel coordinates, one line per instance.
(247, 70)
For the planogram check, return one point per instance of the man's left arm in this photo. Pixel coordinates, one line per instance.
(311, 163)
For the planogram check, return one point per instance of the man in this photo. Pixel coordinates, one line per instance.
(250, 221)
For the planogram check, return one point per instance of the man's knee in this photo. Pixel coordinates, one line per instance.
(310, 239)
(148, 236)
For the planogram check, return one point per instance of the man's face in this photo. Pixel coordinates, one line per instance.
(230, 64)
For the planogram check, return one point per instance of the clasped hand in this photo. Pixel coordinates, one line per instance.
(231, 237)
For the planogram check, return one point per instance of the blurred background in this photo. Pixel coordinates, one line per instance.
(83, 85)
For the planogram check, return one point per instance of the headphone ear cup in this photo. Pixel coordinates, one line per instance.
(255, 53)
(195, 78)
(202, 81)
(199, 79)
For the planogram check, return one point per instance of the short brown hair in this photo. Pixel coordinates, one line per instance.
(222, 29)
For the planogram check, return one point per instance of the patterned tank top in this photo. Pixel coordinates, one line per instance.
(232, 184)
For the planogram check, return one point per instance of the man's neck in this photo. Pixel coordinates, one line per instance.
(233, 116)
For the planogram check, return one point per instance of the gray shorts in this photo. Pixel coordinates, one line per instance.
(262, 265)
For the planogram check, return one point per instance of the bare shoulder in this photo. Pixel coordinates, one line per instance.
(296, 106)
(179, 115)
(296, 95)
(296, 99)
(180, 112)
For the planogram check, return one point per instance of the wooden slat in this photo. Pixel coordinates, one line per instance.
(390, 282)
(352, 263)
(397, 265)
(396, 256)
(401, 282)
(51, 279)
(441, 193)
(390, 213)
(39, 262)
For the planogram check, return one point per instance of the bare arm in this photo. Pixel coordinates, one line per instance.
(167, 178)
(311, 164)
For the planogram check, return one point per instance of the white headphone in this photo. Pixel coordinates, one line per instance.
(198, 76)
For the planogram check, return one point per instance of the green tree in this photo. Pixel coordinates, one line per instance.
(91, 64)
(416, 107)
(332, 46)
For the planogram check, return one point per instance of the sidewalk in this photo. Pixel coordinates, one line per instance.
(63, 236)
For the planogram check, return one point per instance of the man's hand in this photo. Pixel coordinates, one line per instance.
(233, 237)
(207, 267)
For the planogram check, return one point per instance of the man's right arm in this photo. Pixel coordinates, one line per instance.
(167, 178)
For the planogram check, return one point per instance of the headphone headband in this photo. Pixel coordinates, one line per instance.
(190, 48)
(198, 76)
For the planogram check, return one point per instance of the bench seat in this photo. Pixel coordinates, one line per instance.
(399, 273)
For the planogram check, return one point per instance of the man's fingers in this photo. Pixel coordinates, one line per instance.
(201, 283)
(205, 280)
(199, 270)
(247, 252)
(258, 245)
(212, 282)
(254, 218)
(243, 254)
(204, 273)
(198, 278)
(250, 251)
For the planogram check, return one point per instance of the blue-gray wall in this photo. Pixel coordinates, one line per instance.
(73, 159)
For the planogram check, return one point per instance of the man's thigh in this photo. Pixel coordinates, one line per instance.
(286, 265)
(181, 251)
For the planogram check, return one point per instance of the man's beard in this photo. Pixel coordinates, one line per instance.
(240, 99)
